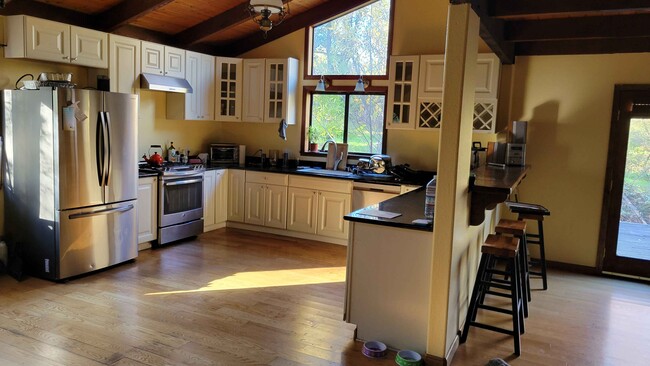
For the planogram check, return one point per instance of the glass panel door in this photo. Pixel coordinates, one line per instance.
(626, 204)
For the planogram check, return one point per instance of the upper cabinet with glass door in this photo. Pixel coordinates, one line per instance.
(402, 92)
(229, 89)
(281, 85)
(270, 90)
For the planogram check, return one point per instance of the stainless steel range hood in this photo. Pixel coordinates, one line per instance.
(164, 83)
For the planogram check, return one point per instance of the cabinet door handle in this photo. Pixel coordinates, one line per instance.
(73, 59)
(65, 57)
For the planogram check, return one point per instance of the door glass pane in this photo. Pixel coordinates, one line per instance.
(279, 91)
(407, 92)
(406, 109)
(272, 77)
(223, 107)
(408, 73)
(224, 71)
(233, 89)
(179, 198)
(224, 89)
(272, 109)
(399, 71)
(231, 108)
(278, 109)
(272, 91)
(233, 71)
(396, 113)
(280, 72)
(634, 227)
(398, 93)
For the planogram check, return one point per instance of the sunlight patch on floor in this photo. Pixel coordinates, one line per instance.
(277, 278)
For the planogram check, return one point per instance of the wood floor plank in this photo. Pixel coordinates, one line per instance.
(232, 297)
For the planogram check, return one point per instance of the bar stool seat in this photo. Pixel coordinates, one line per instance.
(504, 248)
(518, 229)
(535, 212)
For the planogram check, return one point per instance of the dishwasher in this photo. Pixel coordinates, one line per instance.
(366, 194)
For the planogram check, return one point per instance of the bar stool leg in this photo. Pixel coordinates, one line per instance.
(542, 255)
(474, 300)
(517, 313)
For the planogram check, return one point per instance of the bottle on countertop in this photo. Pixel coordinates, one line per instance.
(171, 153)
(430, 199)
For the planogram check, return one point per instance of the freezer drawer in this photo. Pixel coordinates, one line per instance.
(96, 237)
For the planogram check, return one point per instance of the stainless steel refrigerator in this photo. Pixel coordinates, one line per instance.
(70, 179)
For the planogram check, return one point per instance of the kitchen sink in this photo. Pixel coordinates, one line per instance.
(326, 172)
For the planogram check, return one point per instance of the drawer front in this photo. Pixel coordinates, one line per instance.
(267, 178)
(321, 184)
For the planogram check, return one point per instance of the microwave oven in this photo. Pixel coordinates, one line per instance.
(224, 154)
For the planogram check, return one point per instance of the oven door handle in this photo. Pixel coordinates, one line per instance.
(183, 182)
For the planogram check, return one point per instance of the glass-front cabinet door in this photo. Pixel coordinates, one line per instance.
(402, 92)
(229, 92)
(274, 110)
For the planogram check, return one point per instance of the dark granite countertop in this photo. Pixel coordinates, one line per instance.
(410, 205)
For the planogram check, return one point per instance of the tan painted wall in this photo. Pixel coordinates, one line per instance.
(568, 102)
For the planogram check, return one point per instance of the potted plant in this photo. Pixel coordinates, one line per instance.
(311, 134)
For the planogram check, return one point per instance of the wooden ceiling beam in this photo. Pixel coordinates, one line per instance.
(225, 20)
(583, 46)
(622, 26)
(492, 31)
(144, 34)
(47, 11)
(291, 24)
(127, 11)
(514, 9)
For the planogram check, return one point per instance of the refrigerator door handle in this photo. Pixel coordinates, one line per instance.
(105, 149)
(107, 120)
(104, 211)
(99, 149)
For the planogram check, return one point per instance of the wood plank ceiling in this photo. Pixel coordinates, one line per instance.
(223, 27)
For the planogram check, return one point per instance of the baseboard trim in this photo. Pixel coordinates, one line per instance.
(577, 268)
(284, 232)
(430, 360)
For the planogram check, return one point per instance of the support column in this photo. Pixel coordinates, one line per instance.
(451, 220)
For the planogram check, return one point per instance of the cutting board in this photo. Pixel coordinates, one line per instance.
(331, 158)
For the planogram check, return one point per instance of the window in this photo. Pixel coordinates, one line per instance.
(353, 44)
(352, 118)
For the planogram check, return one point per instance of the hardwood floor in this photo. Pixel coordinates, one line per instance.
(234, 297)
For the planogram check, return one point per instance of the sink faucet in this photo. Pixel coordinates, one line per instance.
(337, 157)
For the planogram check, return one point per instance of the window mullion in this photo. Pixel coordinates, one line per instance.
(345, 118)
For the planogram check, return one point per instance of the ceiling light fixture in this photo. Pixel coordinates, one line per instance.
(261, 12)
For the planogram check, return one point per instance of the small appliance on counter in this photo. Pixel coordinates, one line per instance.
(224, 154)
(376, 164)
(516, 150)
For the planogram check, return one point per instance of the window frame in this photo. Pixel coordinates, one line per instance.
(307, 93)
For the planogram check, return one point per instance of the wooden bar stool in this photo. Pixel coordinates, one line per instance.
(518, 229)
(529, 211)
(504, 248)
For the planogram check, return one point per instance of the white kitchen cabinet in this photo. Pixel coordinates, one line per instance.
(302, 209)
(147, 209)
(253, 89)
(40, 39)
(266, 199)
(162, 60)
(215, 199)
(270, 90)
(229, 89)
(236, 188)
(198, 105)
(124, 63)
(317, 206)
(402, 92)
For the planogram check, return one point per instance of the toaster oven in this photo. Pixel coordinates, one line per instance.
(224, 154)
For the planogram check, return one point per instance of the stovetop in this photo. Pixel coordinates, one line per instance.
(173, 169)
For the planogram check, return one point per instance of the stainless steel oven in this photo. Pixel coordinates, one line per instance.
(180, 204)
